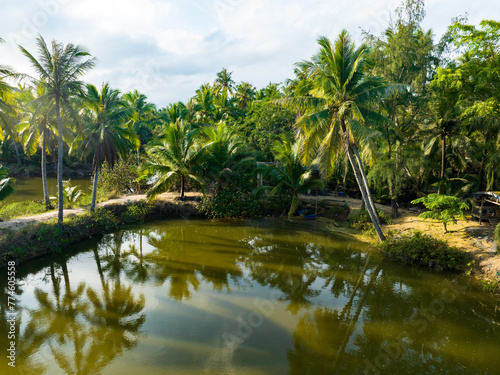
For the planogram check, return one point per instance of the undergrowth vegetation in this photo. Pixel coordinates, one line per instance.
(424, 250)
(360, 220)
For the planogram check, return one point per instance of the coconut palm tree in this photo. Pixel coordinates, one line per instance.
(173, 112)
(106, 133)
(442, 123)
(204, 103)
(141, 116)
(291, 176)
(172, 158)
(224, 82)
(38, 128)
(9, 112)
(337, 100)
(223, 153)
(244, 94)
(5, 90)
(59, 69)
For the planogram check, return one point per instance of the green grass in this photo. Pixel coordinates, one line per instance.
(18, 209)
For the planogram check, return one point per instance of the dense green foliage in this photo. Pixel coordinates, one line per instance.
(443, 208)
(264, 124)
(230, 202)
(400, 114)
(424, 250)
(235, 200)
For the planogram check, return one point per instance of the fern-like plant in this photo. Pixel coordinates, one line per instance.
(443, 208)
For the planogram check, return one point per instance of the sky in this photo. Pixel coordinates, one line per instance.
(167, 49)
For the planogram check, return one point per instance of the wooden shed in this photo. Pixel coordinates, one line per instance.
(489, 207)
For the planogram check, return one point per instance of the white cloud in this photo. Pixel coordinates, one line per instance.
(123, 17)
(167, 49)
(180, 42)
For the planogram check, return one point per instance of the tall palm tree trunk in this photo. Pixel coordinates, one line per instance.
(443, 164)
(394, 198)
(481, 176)
(365, 182)
(17, 152)
(182, 186)
(60, 154)
(94, 189)
(44, 170)
(443, 156)
(359, 180)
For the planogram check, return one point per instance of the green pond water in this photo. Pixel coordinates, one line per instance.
(243, 297)
(31, 188)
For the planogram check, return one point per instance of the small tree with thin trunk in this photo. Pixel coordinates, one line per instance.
(443, 208)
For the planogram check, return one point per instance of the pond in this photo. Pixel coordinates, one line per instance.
(31, 188)
(244, 297)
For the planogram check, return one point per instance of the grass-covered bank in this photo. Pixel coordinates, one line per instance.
(424, 250)
(42, 238)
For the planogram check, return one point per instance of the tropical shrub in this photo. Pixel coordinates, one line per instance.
(135, 213)
(235, 200)
(424, 250)
(123, 178)
(443, 208)
(230, 202)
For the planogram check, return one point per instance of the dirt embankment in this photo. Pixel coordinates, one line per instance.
(21, 222)
(467, 235)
